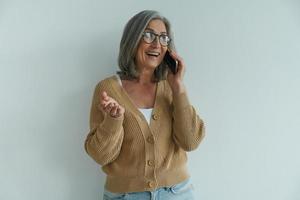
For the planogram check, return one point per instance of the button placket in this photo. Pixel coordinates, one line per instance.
(150, 173)
(150, 160)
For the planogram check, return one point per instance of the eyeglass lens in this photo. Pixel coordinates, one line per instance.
(149, 37)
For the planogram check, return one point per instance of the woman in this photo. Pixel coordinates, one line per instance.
(141, 122)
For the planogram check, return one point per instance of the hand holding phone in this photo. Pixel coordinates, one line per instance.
(171, 62)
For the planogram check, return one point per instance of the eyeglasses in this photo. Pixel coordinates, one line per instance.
(149, 37)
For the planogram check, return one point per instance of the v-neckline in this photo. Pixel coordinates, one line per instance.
(132, 104)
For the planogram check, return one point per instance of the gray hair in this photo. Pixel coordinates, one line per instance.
(131, 37)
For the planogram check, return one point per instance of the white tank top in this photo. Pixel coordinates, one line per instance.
(147, 112)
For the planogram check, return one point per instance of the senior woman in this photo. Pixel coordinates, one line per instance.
(141, 121)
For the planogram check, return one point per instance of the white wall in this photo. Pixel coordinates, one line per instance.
(242, 76)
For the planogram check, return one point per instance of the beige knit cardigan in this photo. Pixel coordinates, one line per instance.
(137, 156)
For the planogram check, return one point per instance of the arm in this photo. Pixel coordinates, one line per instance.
(105, 138)
(188, 128)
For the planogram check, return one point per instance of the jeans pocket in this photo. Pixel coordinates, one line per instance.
(181, 187)
(113, 196)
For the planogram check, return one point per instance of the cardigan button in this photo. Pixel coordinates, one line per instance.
(150, 163)
(151, 184)
(155, 116)
(150, 139)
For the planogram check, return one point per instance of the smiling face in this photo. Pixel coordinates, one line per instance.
(151, 55)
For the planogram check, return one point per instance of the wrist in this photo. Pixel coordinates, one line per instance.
(178, 88)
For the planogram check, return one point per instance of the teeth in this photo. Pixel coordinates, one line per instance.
(153, 53)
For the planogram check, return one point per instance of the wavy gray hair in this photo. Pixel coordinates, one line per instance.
(131, 37)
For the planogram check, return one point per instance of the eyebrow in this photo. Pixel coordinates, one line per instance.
(150, 29)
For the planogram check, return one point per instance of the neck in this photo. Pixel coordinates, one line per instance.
(145, 77)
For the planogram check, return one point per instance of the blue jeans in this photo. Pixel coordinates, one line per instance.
(181, 191)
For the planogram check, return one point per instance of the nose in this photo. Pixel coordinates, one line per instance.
(156, 42)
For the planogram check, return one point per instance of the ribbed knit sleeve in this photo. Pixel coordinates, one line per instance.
(105, 138)
(188, 128)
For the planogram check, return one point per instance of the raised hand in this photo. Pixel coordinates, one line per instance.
(176, 80)
(111, 106)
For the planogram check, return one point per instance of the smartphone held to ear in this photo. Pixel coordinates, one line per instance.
(171, 62)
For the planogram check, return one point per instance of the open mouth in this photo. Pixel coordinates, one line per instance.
(153, 54)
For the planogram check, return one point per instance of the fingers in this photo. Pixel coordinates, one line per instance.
(117, 111)
(111, 106)
(105, 99)
(104, 96)
(114, 111)
(180, 65)
(108, 107)
(177, 57)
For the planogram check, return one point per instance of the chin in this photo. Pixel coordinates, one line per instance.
(152, 65)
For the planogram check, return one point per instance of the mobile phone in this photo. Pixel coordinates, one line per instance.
(171, 62)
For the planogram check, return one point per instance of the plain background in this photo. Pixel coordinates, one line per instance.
(242, 58)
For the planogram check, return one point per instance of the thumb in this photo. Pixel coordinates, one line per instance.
(104, 95)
